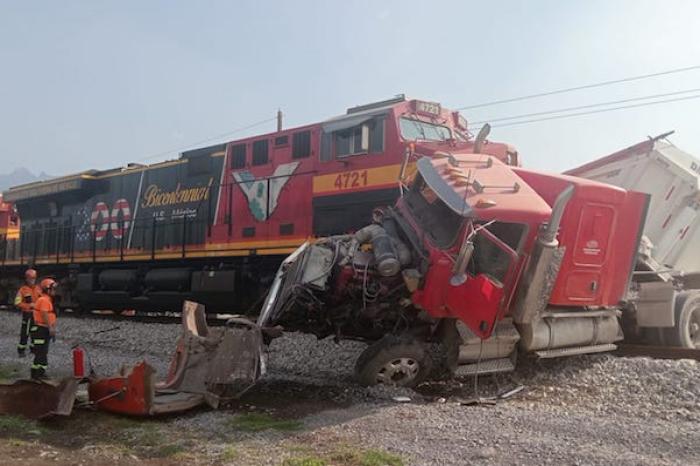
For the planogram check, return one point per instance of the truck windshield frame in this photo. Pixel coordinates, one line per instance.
(418, 130)
(434, 217)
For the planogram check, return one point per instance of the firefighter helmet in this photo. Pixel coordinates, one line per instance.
(48, 284)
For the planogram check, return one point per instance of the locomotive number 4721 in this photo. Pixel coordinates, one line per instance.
(349, 180)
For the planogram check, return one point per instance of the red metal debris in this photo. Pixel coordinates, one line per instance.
(209, 366)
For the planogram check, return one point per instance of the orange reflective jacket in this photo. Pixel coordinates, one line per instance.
(44, 303)
(26, 296)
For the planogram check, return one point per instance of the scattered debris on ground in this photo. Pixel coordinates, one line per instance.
(307, 410)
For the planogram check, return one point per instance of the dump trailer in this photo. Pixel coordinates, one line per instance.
(664, 295)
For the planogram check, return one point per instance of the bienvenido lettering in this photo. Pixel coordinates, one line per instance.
(154, 196)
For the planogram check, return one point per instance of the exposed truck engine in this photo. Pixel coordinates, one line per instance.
(488, 259)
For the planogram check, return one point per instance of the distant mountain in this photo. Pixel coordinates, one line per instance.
(20, 176)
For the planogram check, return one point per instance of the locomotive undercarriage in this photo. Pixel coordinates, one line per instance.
(232, 286)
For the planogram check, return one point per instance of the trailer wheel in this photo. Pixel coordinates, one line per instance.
(393, 361)
(686, 333)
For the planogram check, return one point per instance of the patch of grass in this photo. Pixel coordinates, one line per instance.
(379, 458)
(172, 449)
(370, 457)
(257, 422)
(123, 422)
(230, 453)
(305, 461)
(300, 449)
(149, 437)
(15, 442)
(10, 372)
(19, 425)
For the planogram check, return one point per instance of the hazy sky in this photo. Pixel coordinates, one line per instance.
(95, 84)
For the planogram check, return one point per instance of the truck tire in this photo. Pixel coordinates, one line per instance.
(686, 333)
(393, 360)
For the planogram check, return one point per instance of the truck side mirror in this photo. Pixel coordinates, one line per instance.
(459, 272)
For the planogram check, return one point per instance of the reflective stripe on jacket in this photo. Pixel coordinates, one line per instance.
(26, 296)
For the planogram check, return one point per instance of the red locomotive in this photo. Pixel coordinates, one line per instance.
(213, 225)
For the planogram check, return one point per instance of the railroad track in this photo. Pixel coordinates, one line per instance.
(145, 317)
(657, 352)
(151, 317)
(623, 349)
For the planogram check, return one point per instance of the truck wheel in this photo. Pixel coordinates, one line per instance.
(393, 361)
(686, 333)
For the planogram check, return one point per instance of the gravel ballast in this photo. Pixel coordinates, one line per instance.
(597, 409)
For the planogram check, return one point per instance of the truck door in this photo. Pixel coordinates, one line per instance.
(483, 298)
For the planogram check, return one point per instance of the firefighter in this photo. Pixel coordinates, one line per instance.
(24, 301)
(44, 328)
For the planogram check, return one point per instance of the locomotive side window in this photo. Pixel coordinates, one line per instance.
(351, 141)
(362, 139)
(238, 156)
(326, 147)
(376, 135)
(301, 144)
(260, 152)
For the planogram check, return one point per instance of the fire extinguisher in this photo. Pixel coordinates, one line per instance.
(81, 363)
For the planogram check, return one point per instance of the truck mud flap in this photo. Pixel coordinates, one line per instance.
(38, 399)
(210, 366)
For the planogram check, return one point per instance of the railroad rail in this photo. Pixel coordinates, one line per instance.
(657, 352)
(623, 349)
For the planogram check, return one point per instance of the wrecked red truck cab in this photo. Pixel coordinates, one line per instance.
(486, 258)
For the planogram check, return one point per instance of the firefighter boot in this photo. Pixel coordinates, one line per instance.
(38, 372)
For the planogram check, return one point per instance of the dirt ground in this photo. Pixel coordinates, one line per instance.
(586, 410)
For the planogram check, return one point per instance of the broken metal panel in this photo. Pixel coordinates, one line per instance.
(237, 363)
(38, 399)
(222, 362)
(282, 287)
(194, 319)
(208, 366)
(133, 393)
(317, 267)
(130, 392)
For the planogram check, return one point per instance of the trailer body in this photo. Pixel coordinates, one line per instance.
(664, 296)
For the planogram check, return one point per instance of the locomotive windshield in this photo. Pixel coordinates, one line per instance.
(435, 218)
(423, 131)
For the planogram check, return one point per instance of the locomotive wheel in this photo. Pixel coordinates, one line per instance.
(393, 361)
(686, 333)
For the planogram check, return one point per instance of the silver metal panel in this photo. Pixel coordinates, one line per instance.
(655, 305)
(561, 352)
